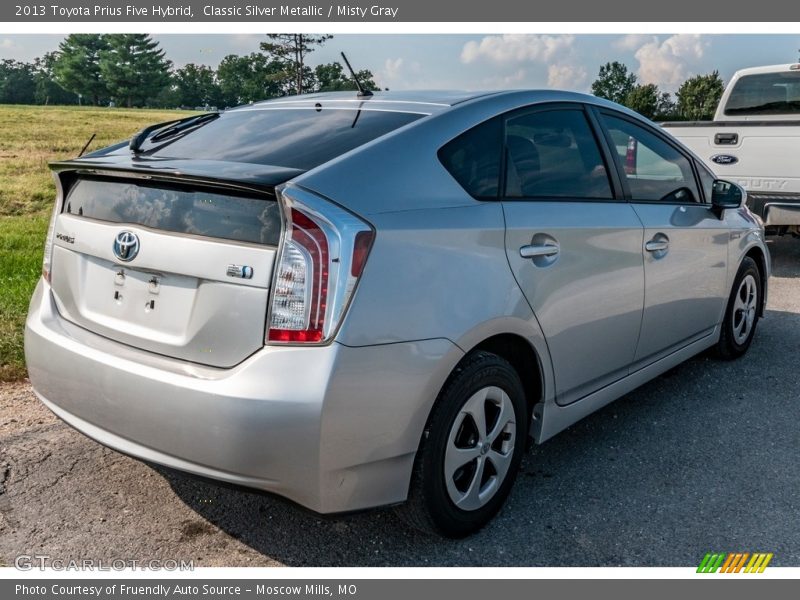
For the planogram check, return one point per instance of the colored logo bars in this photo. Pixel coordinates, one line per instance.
(734, 562)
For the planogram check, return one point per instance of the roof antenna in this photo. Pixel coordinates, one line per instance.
(86, 145)
(362, 93)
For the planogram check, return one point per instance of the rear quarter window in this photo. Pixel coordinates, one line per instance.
(473, 159)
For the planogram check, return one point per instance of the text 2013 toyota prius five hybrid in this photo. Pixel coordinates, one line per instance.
(357, 301)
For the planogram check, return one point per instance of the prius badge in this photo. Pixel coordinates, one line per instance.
(126, 246)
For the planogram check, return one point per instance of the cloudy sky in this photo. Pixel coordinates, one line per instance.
(489, 61)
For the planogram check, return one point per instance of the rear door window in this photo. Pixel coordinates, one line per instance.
(554, 154)
(289, 137)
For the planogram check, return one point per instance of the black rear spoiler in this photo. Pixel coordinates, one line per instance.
(231, 175)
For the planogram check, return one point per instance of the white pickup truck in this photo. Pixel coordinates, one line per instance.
(754, 140)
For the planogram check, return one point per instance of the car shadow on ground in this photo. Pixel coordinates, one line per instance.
(785, 254)
(693, 461)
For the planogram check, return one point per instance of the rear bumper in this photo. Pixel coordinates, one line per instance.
(332, 428)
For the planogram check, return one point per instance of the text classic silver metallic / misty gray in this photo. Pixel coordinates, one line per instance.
(360, 301)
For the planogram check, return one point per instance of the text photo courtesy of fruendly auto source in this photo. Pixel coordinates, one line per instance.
(399, 300)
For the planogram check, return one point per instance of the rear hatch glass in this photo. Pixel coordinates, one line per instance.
(300, 138)
(178, 209)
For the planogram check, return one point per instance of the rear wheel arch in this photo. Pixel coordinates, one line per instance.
(524, 358)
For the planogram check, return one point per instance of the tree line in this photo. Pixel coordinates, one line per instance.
(696, 99)
(131, 70)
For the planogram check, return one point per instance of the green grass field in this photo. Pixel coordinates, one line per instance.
(30, 137)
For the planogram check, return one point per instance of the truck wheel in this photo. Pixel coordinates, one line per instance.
(470, 450)
(741, 316)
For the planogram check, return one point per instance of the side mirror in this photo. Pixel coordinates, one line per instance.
(726, 194)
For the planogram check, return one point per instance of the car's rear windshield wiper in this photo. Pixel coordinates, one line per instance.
(169, 128)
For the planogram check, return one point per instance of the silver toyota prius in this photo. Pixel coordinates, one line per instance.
(356, 301)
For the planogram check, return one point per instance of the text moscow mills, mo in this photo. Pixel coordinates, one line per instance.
(173, 11)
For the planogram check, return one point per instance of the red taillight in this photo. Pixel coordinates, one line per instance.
(288, 335)
(322, 255)
(310, 238)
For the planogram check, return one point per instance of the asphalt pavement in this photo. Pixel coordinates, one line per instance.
(704, 458)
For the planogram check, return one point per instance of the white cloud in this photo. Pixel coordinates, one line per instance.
(516, 48)
(514, 78)
(6, 43)
(507, 81)
(667, 63)
(399, 73)
(632, 41)
(392, 67)
(567, 77)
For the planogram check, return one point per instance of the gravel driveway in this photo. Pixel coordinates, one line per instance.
(705, 458)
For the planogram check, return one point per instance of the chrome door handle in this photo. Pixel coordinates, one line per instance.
(535, 250)
(657, 246)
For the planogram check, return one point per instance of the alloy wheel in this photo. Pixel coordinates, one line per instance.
(744, 309)
(480, 448)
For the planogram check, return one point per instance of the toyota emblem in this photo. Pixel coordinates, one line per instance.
(126, 246)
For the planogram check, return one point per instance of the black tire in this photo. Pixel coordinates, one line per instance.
(732, 344)
(430, 507)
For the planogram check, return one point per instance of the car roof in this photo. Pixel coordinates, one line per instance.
(424, 101)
